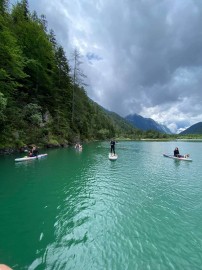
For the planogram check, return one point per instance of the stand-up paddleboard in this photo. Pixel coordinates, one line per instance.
(30, 158)
(79, 149)
(185, 157)
(113, 157)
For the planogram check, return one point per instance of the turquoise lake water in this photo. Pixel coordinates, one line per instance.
(79, 210)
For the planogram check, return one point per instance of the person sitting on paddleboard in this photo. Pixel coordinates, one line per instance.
(176, 152)
(34, 152)
(112, 143)
(78, 146)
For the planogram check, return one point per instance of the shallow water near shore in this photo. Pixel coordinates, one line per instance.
(79, 210)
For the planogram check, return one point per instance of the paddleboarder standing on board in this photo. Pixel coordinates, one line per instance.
(112, 143)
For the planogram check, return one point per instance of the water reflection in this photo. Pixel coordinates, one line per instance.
(81, 211)
(177, 162)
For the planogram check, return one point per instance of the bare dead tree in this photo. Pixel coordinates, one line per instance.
(78, 76)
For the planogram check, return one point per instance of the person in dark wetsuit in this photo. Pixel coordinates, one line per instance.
(176, 152)
(34, 152)
(112, 143)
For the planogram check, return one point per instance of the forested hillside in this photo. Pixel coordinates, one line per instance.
(41, 98)
(39, 101)
(194, 129)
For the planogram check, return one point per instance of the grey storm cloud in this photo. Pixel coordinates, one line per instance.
(140, 56)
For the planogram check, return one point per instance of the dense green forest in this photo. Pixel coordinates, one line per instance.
(41, 102)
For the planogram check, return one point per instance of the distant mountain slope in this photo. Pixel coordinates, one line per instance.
(120, 123)
(146, 123)
(194, 129)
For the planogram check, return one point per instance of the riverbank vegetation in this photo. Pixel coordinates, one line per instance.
(40, 101)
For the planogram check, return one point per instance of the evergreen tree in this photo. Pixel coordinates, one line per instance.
(39, 53)
(3, 6)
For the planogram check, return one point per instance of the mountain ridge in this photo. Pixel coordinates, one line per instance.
(194, 129)
(145, 124)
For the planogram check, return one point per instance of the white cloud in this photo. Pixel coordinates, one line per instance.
(150, 57)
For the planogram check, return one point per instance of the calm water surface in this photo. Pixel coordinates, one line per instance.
(79, 210)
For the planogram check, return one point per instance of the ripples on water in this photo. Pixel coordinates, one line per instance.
(142, 211)
(135, 213)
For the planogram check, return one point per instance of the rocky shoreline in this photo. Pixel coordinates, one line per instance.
(24, 149)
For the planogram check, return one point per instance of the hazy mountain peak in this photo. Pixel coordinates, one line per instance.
(143, 123)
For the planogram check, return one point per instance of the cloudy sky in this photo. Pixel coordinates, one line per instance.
(140, 56)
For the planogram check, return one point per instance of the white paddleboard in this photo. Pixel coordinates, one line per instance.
(178, 158)
(30, 158)
(113, 157)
